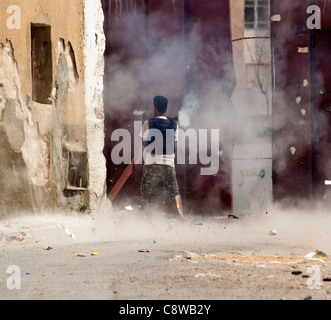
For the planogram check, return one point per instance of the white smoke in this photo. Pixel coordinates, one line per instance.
(189, 109)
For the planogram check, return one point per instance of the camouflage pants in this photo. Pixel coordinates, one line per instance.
(155, 174)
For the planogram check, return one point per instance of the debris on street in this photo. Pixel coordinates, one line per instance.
(242, 259)
(321, 254)
(232, 216)
(81, 255)
(19, 237)
(316, 256)
(210, 275)
(67, 231)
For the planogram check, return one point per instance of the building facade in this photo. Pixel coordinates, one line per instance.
(301, 100)
(51, 105)
(252, 100)
(258, 71)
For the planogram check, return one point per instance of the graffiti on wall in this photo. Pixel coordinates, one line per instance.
(255, 172)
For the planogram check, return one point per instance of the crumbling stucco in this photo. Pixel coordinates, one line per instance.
(14, 177)
(36, 138)
(94, 41)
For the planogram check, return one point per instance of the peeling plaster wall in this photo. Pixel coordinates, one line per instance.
(94, 41)
(35, 138)
(13, 174)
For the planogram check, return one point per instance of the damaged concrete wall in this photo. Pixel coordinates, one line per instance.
(94, 48)
(252, 152)
(15, 192)
(38, 140)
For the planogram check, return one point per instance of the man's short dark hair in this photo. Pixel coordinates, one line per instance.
(161, 103)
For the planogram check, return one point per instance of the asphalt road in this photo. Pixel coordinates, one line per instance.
(125, 256)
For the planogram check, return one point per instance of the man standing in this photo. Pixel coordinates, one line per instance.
(160, 135)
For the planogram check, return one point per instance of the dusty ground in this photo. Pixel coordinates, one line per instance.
(98, 257)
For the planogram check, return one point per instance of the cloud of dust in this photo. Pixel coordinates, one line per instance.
(306, 226)
(198, 90)
(298, 231)
(131, 84)
(190, 107)
(128, 76)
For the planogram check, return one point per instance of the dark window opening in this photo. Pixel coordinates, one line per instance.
(257, 14)
(249, 18)
(77, 175)
(41, 59)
